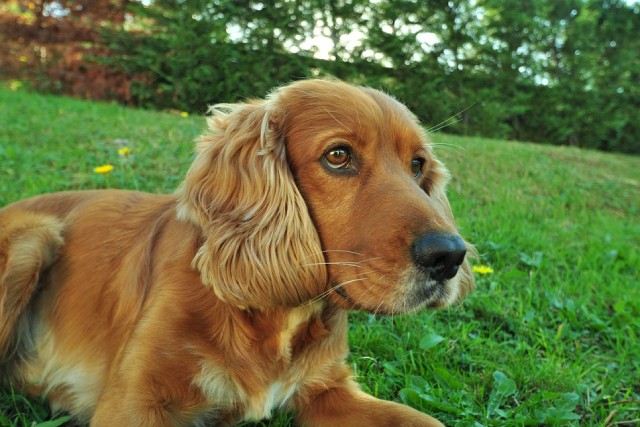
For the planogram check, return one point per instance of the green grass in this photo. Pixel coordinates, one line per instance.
(551, 337)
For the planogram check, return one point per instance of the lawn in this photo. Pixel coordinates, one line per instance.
(550, 337)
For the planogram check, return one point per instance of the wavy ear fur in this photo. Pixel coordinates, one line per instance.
(435, 186)
(261, 248)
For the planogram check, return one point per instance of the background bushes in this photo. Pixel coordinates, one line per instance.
(561, 72)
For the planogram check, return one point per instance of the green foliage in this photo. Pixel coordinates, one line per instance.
(17, 410)
(562, 72)
(503, 388)
(551, 337)
(192, 53)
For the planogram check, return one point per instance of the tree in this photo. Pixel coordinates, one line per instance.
(563, 71)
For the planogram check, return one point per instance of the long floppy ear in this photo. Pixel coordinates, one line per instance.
(435, 185)
(261, 248)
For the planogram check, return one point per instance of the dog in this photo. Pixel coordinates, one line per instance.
(228, 299)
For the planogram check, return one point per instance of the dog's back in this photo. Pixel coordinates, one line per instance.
(69, 280)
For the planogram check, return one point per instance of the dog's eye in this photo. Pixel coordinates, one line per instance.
(416, 167)
(338, 157)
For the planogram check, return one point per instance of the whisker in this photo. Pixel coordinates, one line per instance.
(334, 118)
(331, 250)
(446, 145)
(341, 285)
(448, 122)
(451, 147)
(348, 264)
(342, 250)
(355, 278)
(333, 288)
(381, 300)
(438, 126)
(357, 264)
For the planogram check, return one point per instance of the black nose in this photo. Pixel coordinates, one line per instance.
(439, 254)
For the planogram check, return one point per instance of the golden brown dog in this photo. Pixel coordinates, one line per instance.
(229, 299)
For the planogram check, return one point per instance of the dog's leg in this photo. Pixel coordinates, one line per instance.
(156, 406)
(29, 243)
(347, 405)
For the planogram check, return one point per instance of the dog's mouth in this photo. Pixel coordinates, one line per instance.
(423, 291)
(431, 294)
(416, 291)
(348, 302)
(340, 291)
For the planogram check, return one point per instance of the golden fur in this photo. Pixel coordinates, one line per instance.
(229, 299)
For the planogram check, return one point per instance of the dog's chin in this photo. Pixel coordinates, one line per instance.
(416, 292)
(431, 294)
(422, 292)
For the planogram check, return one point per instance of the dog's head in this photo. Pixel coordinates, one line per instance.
(323, 190)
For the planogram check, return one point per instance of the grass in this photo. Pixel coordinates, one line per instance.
(551, 337)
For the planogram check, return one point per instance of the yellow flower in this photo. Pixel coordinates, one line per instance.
(23, 59)
(482, 269)
(14, 85)
(104, 169)
(184, 114)
(124, 151)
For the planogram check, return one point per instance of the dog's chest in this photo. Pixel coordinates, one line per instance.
(255, 384)
(226, 394)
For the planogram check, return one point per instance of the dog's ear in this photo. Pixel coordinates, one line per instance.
(435, 185)
(261, 248)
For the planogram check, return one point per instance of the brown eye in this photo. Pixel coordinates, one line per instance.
(416, 167)
(338, 157)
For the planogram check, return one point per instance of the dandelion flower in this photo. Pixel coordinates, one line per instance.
(184, 114)
(14, 85)
(104, 169)
(124, 151)
(482, 269)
